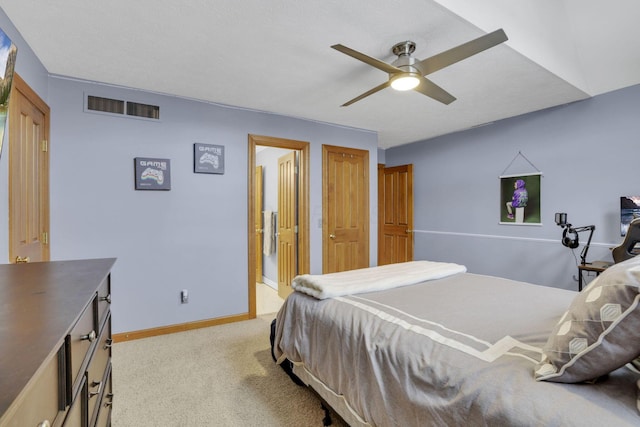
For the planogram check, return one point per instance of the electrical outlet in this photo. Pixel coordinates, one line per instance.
(184, 296)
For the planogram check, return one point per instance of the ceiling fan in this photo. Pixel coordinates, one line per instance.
(407, 72)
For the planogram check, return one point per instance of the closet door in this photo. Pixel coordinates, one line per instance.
(28, 175)
(395, 214)
(345, 209)
(258, 206)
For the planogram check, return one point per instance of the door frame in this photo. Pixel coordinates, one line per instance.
(303, 207)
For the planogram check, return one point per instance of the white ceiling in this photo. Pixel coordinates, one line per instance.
(275, 55)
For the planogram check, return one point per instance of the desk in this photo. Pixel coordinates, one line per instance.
(595, 266)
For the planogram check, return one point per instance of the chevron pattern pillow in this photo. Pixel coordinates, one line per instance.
(599, 332)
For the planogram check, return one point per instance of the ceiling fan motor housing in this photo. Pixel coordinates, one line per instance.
(405, 61)
(404, 48)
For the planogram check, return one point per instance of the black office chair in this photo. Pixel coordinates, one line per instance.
(625, 250)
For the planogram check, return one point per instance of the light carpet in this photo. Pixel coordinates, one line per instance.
(217, 376)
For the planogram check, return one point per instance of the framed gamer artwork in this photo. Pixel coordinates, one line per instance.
(152, 174)
(208, 158)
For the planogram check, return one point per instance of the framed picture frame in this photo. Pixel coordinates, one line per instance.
(152, 173)
(520, 197)
(8, 52)
(629, 210)
(208, 158)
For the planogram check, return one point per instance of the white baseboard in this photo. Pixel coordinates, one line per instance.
(269, 283)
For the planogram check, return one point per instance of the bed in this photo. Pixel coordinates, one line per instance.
(465, 349)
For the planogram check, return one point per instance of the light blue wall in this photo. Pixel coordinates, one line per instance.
(589, 155)
(194, 236)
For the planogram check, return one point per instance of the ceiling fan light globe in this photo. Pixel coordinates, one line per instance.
(405, 82)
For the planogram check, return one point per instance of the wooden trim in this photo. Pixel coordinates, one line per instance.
(182, 327)
(303, 206)
(380, 211)
(251, 224)
(19, 84)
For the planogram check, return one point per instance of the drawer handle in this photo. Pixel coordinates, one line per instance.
(97, 392)
(45, 423)
(110, 402)
(107, 343)
(91, 336)
(107, 299)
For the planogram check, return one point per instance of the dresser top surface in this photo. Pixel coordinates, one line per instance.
(39, 303)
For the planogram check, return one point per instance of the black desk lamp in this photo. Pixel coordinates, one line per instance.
(570, 235)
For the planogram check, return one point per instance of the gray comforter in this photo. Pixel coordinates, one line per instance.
(454, 351)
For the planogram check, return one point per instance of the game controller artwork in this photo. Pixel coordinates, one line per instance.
(208, 158)
(152, 174)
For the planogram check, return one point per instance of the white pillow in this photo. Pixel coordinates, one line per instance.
(600, 330)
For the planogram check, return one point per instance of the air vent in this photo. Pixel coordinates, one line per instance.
(121, 107)
(143, 110)
(105, 105)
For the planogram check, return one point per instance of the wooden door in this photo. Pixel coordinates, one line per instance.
(28, 175)
(287, 222)
(258, 206)
(345, 208)
(395, 214)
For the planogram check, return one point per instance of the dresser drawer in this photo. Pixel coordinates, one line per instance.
(80, 342)
(104, 411)
(44, 400)
(77, 414)
(97, 370)
(104, 299)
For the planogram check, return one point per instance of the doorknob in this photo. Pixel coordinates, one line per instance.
(408, 231)
(332, 236)
(21, 260)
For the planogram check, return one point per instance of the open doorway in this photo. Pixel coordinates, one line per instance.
(276, 208)
(278, 223)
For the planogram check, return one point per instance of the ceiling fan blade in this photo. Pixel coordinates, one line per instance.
(367, 93)
(432, 90)
(380, 65)
(465, 50)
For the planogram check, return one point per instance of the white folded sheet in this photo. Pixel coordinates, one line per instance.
(322, 286)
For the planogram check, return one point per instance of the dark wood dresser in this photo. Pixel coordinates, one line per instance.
(55, 344)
